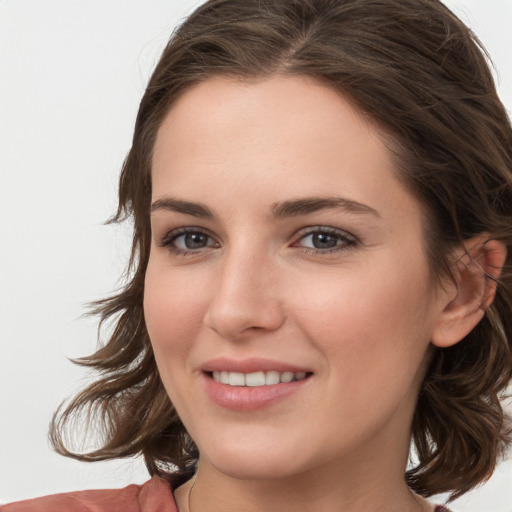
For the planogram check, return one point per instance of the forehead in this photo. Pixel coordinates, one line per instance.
(228, 119)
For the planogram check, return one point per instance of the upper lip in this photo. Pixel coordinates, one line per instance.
(250, 365)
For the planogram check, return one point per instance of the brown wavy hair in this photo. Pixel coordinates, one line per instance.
(419, 74)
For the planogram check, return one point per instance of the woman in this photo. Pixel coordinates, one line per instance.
(321, 194)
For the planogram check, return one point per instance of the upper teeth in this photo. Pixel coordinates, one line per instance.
(256, 378)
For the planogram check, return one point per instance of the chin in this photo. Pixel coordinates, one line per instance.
(257, 468)
(253, 461)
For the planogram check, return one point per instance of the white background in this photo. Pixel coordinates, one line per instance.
(71, 75)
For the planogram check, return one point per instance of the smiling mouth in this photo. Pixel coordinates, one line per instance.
(256, 379)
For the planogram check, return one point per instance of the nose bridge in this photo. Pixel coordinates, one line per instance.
(246, 295)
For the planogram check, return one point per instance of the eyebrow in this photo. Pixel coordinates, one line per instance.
(280, 210)
(308, 205)
(180, 206)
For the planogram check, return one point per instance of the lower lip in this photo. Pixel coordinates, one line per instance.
(247, 398)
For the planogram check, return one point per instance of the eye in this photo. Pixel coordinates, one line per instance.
(191, 241)
(324, 239)
(185, 240)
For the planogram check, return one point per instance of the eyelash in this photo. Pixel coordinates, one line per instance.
(345, 240)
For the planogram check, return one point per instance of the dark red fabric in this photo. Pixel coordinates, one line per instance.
(154, 496)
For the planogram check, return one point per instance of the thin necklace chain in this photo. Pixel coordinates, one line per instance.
(190, 493)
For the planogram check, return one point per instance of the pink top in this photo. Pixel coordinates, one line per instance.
(154, 496)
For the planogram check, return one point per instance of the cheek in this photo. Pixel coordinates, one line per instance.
(173, 311)
(378, 315)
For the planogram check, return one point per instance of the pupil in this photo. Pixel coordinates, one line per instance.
(324, 241)
(195, 240)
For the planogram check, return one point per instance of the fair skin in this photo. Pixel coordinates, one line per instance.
(283, 242)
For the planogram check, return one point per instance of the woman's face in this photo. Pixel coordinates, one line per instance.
(284, 248)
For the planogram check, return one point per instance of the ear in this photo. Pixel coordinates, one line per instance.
(478, 266)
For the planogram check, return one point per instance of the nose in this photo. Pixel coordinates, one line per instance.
(246, 299)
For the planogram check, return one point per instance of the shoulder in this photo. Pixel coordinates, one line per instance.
(153, 496)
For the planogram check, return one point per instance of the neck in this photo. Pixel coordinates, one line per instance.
(329, 490)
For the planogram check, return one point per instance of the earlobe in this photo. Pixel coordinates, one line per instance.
(478, 266)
